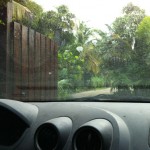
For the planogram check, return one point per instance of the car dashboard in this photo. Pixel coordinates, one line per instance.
(74, 125)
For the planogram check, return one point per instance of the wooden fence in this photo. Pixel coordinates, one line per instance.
(29, 63)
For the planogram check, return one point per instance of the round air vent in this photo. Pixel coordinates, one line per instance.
(47, 137)
(53, 134)
(88, 138)
(94, 135)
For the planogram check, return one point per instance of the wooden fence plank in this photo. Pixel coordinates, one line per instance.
(31, 64)
(11, 63)
(17, 61)
(37, 68)
(55, 70)
(8, 44)
(2, 63)
(48, 71)
(52, 71)
(43, 66)
(25, 65)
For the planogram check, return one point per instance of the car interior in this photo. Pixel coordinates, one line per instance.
(76, 126)
(68, 84)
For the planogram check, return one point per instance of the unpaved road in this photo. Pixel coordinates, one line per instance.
(91, 93)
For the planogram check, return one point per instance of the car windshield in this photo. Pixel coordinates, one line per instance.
(66, 50)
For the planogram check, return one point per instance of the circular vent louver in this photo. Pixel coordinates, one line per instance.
(53, 134)
(47, 137)
(87, 139)
(93, 135)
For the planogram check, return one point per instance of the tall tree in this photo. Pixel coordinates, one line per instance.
(118, 46)
(126, 25)
(58, 24)
(142, 53)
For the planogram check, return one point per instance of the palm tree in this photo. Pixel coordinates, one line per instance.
(84, 37)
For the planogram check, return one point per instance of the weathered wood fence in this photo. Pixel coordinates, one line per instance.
(28, 63)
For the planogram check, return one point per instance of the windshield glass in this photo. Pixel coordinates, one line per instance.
(62, 49)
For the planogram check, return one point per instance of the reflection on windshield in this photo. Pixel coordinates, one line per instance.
(91, 61)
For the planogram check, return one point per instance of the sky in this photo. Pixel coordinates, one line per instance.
(96, 13)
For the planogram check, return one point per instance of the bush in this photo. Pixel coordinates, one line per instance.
(64, 88)
(98, 82)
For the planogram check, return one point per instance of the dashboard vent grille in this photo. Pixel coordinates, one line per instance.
(87, 138)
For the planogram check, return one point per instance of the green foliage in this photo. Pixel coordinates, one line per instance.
(36, 9)
(20, 12)
(126, 25)
(64, 84)
(58, 24)
(36, 14)
(98, 82)
(3, 3)
(118, 49)
(64, 88)
(1, 22)
(70, 65)
(89, 53)
(116, 57)
(28, 14)
(143, 31)
(141, 58)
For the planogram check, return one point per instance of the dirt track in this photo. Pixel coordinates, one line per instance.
(91, 93)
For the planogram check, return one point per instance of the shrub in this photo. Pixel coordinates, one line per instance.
(64, 88)
(98, 82)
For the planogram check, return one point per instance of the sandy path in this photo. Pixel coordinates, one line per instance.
(91, 93)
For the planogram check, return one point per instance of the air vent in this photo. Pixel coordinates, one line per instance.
(88, 139)
(47, 137)
(11, 127)
(53, 134)
(94, 135)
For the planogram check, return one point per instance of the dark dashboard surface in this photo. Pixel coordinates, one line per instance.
(74, 126)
